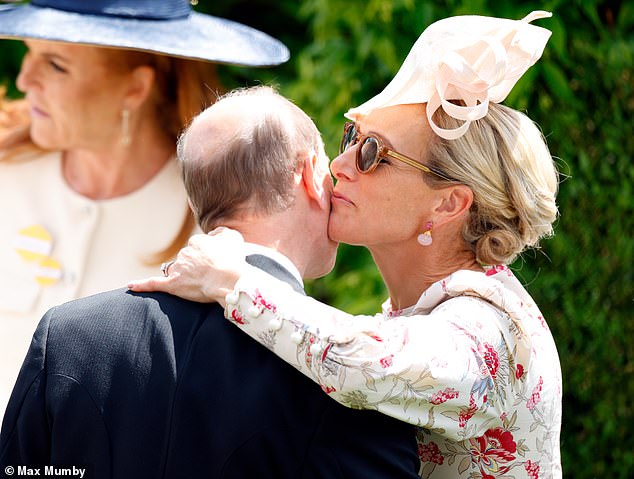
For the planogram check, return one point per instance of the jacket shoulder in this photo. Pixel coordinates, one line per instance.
(118, 325)
(117, 307)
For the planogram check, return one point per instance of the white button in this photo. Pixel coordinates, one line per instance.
(297, 337)
(275, 324)
(232, 298)
(315, 349)
(254, 311)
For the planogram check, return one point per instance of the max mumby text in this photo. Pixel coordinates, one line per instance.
(48, 471)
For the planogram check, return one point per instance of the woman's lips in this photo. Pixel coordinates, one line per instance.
(35, 111)
(339, 198)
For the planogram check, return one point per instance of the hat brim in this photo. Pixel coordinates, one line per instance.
(197, 36)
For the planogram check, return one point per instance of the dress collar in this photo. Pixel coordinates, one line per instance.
(494, 284)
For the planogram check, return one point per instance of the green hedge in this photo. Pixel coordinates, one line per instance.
(581, 94)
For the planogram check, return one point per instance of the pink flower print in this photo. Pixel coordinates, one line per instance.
(430, 453)
(328, 389)
(532, 469)
(493, 451)
(308, 357)
(386, 362)
(466, 414)
(237, 317)
(443, 396)
(519, 371)
(260, 301)
(405, 336)
(376, 338)
(495, 269)
(536, 396)
(490, 356)
(326, 349)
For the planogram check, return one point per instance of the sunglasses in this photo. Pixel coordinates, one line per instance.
(372, 151)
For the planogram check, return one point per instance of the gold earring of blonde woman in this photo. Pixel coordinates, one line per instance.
(126, 139)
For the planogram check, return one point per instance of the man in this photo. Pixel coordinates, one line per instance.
(150, 385)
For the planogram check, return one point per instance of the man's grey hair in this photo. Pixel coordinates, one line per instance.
(249, 170)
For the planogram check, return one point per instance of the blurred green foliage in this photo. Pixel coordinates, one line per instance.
(580, 93)
(11, 52)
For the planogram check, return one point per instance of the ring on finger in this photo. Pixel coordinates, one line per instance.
(165, 268)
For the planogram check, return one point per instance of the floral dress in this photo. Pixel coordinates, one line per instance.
(473, 364)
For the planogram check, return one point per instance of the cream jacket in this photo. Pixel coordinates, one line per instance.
(56, 245)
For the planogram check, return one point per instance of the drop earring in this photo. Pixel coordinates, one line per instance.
(425, 237)
(125, 127)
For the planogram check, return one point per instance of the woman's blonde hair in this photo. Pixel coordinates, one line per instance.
(504, 159)
(183, 88)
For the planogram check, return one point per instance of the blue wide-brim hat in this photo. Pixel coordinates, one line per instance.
(168, 27)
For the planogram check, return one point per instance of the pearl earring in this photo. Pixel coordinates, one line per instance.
(425, 238)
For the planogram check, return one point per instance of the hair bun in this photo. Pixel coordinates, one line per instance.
(498, 247)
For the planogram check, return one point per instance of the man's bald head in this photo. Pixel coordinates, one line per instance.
(240, 155)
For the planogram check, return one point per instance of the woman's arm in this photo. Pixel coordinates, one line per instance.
(427, 370)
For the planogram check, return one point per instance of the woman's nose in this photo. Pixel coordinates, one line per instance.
(343, 165)
(25, 77)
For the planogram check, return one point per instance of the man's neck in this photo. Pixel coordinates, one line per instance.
(277, 233)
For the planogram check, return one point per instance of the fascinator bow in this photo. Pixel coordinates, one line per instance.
(471, 58)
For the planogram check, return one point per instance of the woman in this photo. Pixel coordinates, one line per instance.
(445, 187)
(89, 190)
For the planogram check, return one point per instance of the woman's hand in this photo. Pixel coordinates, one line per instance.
(204, 271)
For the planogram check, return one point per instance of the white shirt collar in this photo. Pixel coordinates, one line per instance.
(252, 248)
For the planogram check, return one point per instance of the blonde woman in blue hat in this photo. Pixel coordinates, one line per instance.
(445, 187)
(90, 193)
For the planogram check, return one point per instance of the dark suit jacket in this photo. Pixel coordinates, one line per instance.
(153, 386)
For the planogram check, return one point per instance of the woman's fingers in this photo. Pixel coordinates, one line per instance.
(154, 283)
(203, 270)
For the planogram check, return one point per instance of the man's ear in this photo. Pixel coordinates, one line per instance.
(313, 178)
(455, 202)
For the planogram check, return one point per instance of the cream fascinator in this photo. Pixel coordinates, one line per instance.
(471, 58)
